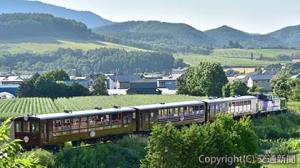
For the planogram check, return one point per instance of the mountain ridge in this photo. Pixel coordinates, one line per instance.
(24, 6)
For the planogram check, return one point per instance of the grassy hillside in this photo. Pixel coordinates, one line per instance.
(37, 47)
(239, 57)
(22, 106)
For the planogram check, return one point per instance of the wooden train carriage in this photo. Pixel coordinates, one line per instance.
(238, 106)
(180, 113)
(56, 128)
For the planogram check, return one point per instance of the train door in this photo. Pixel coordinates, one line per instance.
(28, 130)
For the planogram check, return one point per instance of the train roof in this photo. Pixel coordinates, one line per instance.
(238, 98)
(168, 105)
(82, 113)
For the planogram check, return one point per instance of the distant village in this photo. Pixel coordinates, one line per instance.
(122, 84)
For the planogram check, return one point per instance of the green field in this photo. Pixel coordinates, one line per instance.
(22, 106)
(237, 57)
(42, 47)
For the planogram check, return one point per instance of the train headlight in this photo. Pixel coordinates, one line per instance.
(26, 139)
(92, 134)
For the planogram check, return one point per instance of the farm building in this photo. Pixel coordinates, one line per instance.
(83, 81)
(260, 80)
(12, 89)
(143, 86)
(120, 81)
(169, 82)
(6, 95)
(10, 80)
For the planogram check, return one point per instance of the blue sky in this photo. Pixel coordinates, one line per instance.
(255, 16)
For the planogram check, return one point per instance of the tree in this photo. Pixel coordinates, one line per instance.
(77, 90)
(11, 155)
(57, 75)
(99, 87)
(26, 88)
(170, 147)
(295, 90)
(235, 88)
(207, 79)
(281, 87)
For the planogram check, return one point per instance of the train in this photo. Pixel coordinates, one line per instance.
(46, 130)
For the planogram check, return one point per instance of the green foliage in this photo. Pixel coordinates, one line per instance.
(205, 79)
(96, 61)
(295, 91)
(11, 151)
(99, 87)
(126, 154)
(21, 26)
(48, 85)
(281, 87)
(46, 159)
(278, 126)
(170, 147)
(235, 88)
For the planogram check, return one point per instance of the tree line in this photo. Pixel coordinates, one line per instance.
(103, 60)
(51, 84)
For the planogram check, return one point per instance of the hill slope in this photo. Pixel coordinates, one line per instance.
(158, 36)
(290, 35)
(180, 32)
(24, 6)
(31, 26)
(224, 34)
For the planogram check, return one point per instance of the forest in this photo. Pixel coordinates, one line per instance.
(20, 26)
(91, 62)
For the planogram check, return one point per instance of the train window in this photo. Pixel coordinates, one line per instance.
(83, 122)
(26, 126)
(67, 125)
(75, 123)
(151, 114)
(34, 127)
(92, 121)
(133, 115)
(18, 126)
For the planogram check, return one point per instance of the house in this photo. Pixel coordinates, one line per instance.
(120, 81)
(169, 82)
(260, 80)
(12, 89)
(143, 86)
(241, 78)
(11, 80)
(296, 76)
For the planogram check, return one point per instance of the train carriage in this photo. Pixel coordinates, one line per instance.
(56, 128)
(180, 113)
(237, 106)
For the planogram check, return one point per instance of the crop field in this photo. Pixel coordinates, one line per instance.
(37, 47)
(237, 57)
(23, 106)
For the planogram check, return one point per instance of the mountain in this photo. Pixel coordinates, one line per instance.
(23, 6)
(157, 36)
(180, 32)
(20, 26)
(224, 34)
(289, 35)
